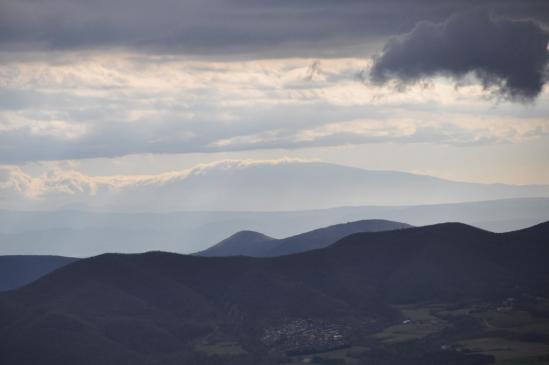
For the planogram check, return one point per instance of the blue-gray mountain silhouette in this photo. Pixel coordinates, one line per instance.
(249, 243)
(154, 307)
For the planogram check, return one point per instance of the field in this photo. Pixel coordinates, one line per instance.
(506, 350)
(419, 322)
(225, 348)
(346, 355)
(512, 334)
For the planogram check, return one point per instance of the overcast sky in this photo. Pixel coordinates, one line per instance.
(454, 89)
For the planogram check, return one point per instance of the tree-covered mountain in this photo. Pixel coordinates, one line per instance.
(248, 243)
(164, 308)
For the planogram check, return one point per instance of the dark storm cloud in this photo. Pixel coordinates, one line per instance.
(508, 55)
(221, 27)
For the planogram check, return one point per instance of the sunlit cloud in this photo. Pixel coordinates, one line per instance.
(115, 104)
(66, 181)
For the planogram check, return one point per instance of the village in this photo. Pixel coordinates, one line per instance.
(305, 336)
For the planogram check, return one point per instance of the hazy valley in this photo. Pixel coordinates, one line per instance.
(82, 234)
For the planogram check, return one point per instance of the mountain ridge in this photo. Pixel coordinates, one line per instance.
(255, 244)
(245, 243)
(58, 232)
(175, 301)
(263, 185)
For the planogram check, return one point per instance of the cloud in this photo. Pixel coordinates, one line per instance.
(115, 105)
(63, 186)
(509, 56)
(221, 185)
(446, 129)
(221, 28)
(68, 183)
(14, 181)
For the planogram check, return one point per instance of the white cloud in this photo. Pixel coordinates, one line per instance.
(115, 104)
(417, 127)
(19, 185)
(222, 185)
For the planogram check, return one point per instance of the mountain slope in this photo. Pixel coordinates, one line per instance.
(295, 185)
(261, 186)
(452, 260)
(84, 234)
(243, 243)
(254, 244)
(16, 271)
(155, 307)
(323, 237)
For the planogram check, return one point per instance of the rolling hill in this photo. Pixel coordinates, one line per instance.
(248, 243)
(160, 308)
(16, 271)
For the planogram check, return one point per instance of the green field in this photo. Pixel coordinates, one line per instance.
(526, 361)
(224, 348)
(498, 333)
(422, 323)
(343, 354)
(506, 350)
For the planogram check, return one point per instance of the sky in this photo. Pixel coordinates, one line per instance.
(453, 89)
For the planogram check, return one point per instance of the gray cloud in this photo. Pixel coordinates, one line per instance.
(85, 105)
(508, 55)
(227, 27)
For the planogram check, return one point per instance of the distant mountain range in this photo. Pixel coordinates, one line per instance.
(243, 243)
(84, 234)
(308, 185)
(19, 270)
(249, 243)
(258, 186)
(16, 271)
(161, 308)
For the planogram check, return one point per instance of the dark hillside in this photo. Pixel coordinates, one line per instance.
(157, 307)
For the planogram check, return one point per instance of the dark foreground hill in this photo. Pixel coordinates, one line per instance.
(18, 270)
(162, 308)
(248, 243)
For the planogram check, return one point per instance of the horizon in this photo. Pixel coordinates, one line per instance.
(198, 187)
